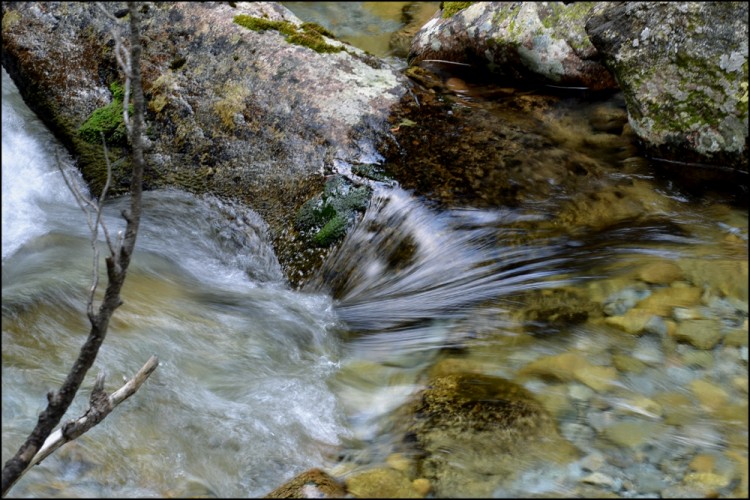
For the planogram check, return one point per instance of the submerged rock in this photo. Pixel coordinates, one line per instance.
(381, 483)
(473, 430)
(684, 72)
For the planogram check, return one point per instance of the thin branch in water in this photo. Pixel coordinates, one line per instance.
(99, 408)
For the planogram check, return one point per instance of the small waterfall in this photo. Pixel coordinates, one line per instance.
(31, 180)
(405, 264)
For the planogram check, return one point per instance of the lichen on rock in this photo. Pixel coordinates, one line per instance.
(683, 69)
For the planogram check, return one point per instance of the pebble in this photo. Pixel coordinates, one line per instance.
(620, 302)
(599, 479)
(646, 478)
(578, 434)
(648, 350)
(580, 392)
(593, 461)
(702, 333)
(630, 434)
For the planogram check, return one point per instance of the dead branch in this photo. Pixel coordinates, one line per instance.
(100, 405)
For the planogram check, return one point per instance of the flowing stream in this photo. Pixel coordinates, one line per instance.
(258, 382)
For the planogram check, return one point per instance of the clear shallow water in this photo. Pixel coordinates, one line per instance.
(258, 382)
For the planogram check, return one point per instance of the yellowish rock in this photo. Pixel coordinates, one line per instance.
(741, 384)
(710, 395)
(555, 399)
(663, 300)
(702, 333)
(381, 483)
(702, 463)
(678, 408)
(660, 272)
(400, 462)
(702, 359)
(733, 413)
(571, 366)
(727, 277)
(708, 480)
(736, 337)
(741, 471)
(599, 378)
(626, 363)
(631, 434)
(560, 366)
(634, 321)
(422, 486)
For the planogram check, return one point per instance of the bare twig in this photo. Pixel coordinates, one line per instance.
(99, 408)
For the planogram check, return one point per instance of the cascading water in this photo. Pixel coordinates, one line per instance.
(239, 400)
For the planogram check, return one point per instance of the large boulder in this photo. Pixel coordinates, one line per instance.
(244, 100)
(683, 69)
(543, 42)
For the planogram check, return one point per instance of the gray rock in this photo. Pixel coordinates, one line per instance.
(542, 41)
(683, 69)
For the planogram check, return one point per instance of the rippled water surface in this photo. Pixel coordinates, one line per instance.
(632, 335)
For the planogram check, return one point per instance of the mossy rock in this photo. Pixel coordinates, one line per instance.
(308, 35)
(327, 215)
(107, 121)
(451, 8)
(332, 231)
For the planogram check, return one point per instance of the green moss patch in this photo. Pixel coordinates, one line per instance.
(450, 8)
(107, 120)
(326, 216)
(308, 35)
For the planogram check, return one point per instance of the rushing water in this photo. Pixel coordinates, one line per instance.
(258, 382)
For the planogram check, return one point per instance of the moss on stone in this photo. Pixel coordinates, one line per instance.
(451, 8)
(332, 231)
(10, 18)
(327, 215)
(314, 41)
(317, 28)
(372, 171)
(308, 35)
(260, 24)
(107, 120)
